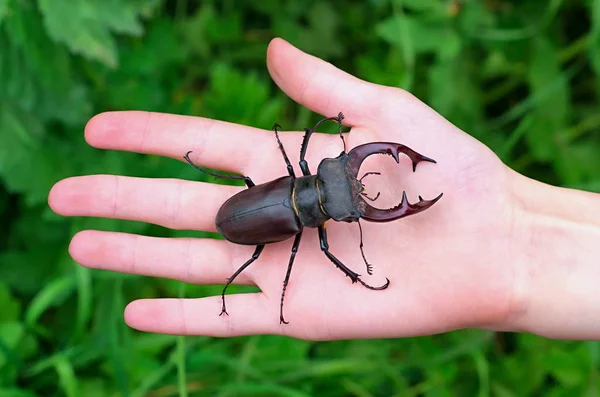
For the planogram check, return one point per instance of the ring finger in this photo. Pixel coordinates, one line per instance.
(197, 261)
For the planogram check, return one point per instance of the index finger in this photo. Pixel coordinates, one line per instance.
(215, 144)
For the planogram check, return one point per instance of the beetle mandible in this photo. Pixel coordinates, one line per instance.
(280, 209)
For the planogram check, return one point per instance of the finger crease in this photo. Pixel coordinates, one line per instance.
(201, 138)
(133, 262)
(188, 260)
(114, 207)
(142, 143)
(173, 204)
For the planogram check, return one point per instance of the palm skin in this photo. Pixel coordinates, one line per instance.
(450, 267)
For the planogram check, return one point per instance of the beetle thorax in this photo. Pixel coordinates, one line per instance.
(339, 189)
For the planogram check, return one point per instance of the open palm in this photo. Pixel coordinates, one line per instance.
(449, 267)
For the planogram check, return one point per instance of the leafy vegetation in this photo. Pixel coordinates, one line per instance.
(522, 76)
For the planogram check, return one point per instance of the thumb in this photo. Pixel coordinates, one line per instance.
(322, 87)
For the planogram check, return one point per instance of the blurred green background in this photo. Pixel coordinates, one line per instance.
(522, 76)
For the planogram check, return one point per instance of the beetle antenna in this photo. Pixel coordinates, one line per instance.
(282, 149)
(367, 174)
(339, 119)
(372, 199)
(307, 134)
(246, 179)
(369, 266)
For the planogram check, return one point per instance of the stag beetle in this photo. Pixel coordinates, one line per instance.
(280, 209)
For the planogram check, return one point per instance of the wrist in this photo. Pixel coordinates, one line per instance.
(556, 289)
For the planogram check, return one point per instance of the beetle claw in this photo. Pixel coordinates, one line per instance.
(401, 210)
(356, 157)
(360, 153)
(384, 286)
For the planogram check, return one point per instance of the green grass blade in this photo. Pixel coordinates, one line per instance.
(52, 295)
(66, 376)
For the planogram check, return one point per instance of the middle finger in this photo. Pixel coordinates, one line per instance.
(172, 203)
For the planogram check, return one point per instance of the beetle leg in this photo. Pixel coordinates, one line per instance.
(287, 275)
(246, 179)
(362, 252)
(307, 134)
(353, 276)
(282, 149)
(255, 256)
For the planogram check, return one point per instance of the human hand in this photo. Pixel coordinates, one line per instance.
(452, 266)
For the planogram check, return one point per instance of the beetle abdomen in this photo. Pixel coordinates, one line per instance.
(262, 214)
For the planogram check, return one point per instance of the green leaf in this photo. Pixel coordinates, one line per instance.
(240, 98)
(85, 26)
(551, 111)
(65, 24)
(48, 90)
(21, 143)
(11, 307)
(573, 156)
(454, 93)
(475, 16)
(21, 270)
(594, 47)
(570, 366)
(17, 140)
(425, 6)
(141, 60)
(3, 10)
(319, 35)
(11, 336)
(397, 32)
(425, 36)
(267, 348)
(95, 387)
(30, 44)
(17, 393)
(195, 29)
